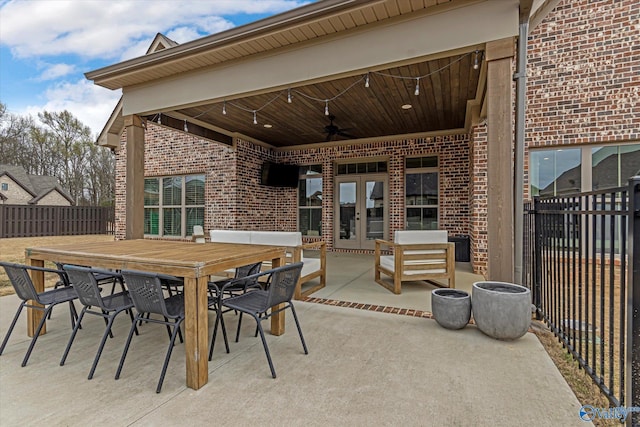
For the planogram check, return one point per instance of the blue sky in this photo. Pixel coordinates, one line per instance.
(46, 46)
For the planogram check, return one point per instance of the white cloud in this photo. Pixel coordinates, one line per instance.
(90, 104)
(53, 34)
(55, 71)
(93, 29)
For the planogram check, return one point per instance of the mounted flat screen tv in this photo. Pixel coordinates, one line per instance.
(279, 175)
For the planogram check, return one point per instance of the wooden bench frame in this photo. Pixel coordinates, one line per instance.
(406, 252)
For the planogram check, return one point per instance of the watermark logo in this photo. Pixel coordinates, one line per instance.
(590, 413)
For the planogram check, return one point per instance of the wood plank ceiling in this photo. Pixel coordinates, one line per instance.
(445, 87)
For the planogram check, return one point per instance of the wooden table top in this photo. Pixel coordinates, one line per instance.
(187, 259)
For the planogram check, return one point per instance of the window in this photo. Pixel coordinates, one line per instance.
(360, 168)
(555, 172)
(5, 186)
(421, 193)
(310, 200)
(573, 170)
(173, 205)
(613, 165)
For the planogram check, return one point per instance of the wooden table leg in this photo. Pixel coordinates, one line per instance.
(196, 331)
(277, 320)
(34, 316)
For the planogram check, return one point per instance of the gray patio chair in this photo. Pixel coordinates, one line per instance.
(44, 301)
(280, 287)
(85, 281)
(231, 287)
(103, 277)
(147, 293)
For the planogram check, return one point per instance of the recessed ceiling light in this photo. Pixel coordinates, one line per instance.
(407, 106)
(268, 126)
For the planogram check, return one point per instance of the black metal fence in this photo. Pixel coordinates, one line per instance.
(582, 264)
(33, 221)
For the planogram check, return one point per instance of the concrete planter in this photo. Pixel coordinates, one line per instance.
(451, 308)
(501, 310)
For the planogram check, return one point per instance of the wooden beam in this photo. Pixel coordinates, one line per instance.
(500, 160)
(134, 186)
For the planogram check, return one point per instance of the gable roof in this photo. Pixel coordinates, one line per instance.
(110, 134)
(37, 186)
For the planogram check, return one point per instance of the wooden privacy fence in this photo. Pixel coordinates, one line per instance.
(33, 221)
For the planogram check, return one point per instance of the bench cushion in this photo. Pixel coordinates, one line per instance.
(408, 237)
(230, 236)
(276, 238)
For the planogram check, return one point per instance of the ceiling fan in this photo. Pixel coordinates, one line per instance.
(332, 130)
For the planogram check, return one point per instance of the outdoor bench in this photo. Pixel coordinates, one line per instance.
(292, 241)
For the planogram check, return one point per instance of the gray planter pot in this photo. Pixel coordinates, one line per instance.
(501, 310)
(451, 308)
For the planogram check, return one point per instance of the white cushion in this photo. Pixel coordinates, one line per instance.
(311, 265)
(408, 237)
(388, 262)
(276, 238)
(230, 236)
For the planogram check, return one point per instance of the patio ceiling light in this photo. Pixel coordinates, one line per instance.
(406, 106)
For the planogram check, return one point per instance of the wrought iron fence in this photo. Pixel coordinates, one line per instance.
(582, 262)
(33, 221)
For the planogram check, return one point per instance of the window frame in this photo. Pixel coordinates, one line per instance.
(160, 207)
(422, 170)
(305, 177)
(586, 164)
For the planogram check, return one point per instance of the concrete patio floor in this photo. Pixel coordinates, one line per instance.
(363, 368)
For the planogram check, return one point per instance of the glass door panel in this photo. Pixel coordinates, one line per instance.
(361, 211)
(347, 210)
(375, 203)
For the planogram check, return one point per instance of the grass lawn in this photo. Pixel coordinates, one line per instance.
(12, 250)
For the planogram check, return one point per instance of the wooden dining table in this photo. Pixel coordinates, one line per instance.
(194, 262)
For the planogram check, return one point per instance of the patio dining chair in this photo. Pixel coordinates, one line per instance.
(263, 303)
(147, 293)
(237, 285)
(103, 277)
(43, 301)
(85, 281)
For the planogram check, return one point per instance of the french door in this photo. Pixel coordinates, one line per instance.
(361, 210)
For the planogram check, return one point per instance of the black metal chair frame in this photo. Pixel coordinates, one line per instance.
(146, 290)
(42, 301)
(237, 285)
(261, 304)
(85, 281)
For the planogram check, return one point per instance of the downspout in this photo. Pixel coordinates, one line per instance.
(518, 200)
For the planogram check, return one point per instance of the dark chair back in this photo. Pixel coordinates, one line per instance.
(21, 281)
(146, 292)
(244, 271)
(282, 284)
(85, 284)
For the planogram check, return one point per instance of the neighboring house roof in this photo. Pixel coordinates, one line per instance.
(36, 185)
(3, 197)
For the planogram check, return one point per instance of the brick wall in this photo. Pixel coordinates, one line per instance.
(478, 223)
(584, 74)
(236, 200)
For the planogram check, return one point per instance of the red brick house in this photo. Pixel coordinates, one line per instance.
(400, 114)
